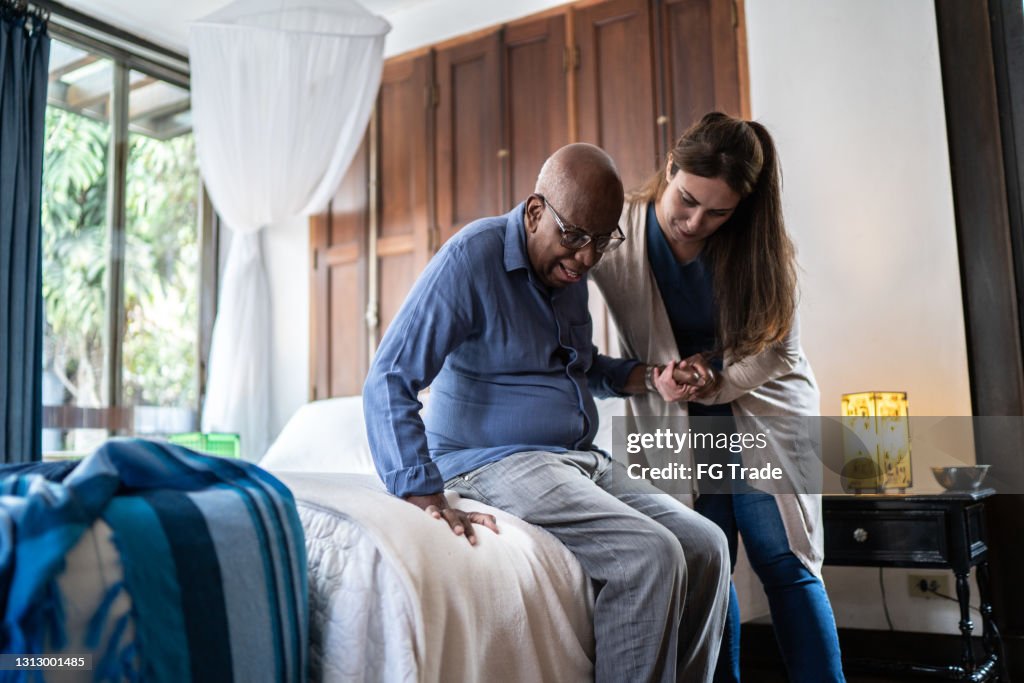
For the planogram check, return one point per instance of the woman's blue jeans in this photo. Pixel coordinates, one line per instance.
(801, 613)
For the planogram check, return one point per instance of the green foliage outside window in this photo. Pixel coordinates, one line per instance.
(161, 283)
(162, 272)
(74, 252)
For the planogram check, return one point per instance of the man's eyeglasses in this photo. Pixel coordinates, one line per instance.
(576, 238)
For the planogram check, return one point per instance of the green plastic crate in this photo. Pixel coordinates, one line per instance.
(210, 443)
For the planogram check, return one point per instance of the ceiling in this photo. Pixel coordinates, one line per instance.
(81, 81)
(166, 23)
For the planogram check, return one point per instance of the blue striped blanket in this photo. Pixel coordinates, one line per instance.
(212, 556)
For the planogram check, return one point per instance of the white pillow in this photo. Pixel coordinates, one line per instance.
(323, 436)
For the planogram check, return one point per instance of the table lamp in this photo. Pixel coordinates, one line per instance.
(876, 441)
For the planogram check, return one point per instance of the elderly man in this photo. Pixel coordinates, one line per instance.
(498, 327)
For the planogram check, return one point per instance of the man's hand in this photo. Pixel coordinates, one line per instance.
(696, 373)
(461, 522)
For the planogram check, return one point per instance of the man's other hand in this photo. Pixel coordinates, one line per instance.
(460, 521)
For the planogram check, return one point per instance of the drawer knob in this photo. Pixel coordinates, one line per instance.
(860, 535)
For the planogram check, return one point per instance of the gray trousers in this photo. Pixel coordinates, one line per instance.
(660, 570)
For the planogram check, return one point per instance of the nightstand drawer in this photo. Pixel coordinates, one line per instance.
(885, 537)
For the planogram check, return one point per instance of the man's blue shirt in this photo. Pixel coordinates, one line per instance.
(510, 364)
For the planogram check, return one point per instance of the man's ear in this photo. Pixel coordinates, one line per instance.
(533, 212)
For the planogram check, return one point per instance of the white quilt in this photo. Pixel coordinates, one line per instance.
(395, 596)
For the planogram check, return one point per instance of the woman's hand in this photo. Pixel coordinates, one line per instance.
(669, 387)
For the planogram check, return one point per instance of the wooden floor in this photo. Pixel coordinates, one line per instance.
(761, 661)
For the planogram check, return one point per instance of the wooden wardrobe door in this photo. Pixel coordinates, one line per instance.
(699, 60)
(468, 133)
(615, 85)
(536, 98)
(405, 134)
(338, 358)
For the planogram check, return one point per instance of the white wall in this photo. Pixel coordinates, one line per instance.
(852, 91)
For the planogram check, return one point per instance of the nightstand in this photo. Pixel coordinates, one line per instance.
(944, 531)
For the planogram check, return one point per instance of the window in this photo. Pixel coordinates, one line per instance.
(122, 257)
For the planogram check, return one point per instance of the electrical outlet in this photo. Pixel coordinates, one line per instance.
(926, 585)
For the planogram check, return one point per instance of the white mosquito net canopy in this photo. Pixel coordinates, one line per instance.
(281, 95)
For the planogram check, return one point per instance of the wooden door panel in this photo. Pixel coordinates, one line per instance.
(615, 96)
(338, 358)
(536, 97)
(348, 336)
(404, 137)
(699, 60)
(404, 205)
(397, 274)
(468, 133)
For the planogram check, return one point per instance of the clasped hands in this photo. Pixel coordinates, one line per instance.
(685, 380)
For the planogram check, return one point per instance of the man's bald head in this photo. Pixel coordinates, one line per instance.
(579, 184)
(582, 178)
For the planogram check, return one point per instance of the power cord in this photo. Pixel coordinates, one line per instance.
(928, 588)
(925, 587)
(885, 603)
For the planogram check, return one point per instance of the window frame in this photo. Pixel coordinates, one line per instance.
(131, 53)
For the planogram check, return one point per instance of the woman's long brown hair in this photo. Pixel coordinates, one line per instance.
(752, 259)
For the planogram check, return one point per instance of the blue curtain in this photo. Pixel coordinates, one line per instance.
(24, 57)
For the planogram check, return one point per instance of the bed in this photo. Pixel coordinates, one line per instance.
(395, 596)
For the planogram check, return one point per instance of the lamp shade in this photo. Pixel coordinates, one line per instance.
(876, 441)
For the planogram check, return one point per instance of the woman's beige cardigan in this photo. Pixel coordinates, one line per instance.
(777, 383)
